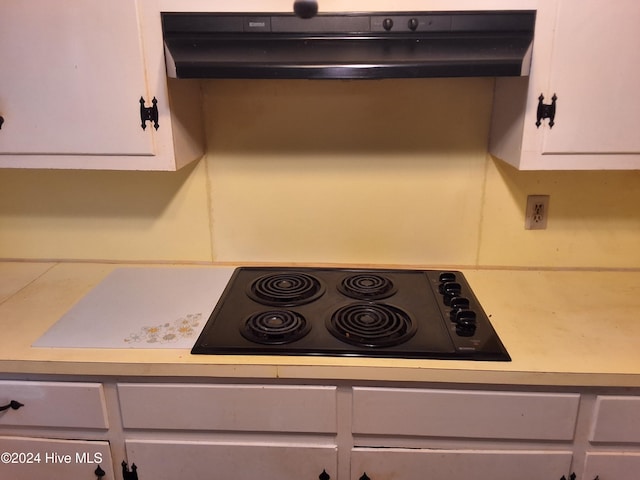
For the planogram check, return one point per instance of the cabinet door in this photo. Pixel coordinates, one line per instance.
(239, 461)
(595, 72)
(588, 54)
(71, 79)
(31, 458)
(382, 464)
(612, 465)
(616, 419)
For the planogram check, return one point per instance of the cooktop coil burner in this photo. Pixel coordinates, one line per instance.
(371, 325)
(275, 327)
(286, 289)
(392, 313)
(367, 286)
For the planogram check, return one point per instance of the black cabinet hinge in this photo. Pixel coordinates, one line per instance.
(571, 477)
(149, 113)
(129, 474)
(546, 111)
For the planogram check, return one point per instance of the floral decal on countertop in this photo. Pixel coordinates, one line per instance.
(169, 332)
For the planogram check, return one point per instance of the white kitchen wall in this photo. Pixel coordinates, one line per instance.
(347, 171)
(594, 219)
(104, 215)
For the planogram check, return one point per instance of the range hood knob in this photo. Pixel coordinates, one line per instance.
(387, 24)
(305, 8)
(413, 24)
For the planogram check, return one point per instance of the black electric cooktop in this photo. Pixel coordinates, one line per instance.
(350, 312)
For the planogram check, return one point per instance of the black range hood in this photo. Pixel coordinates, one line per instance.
(348, 45)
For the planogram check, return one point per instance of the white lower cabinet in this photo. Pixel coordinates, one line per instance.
(612, 465)
(614, 439)
(422, 464)
(616, 419)
(239, 432)
(25, 458)
(54, 404)
(465, 413)
(502, 435)
(64, 410)
(252, 408)
(194, 431)
(244, 431)
(203, 459)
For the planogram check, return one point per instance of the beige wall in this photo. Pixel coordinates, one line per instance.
(374, 172)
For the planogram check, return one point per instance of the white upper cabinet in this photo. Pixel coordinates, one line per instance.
(72, 77)
(586, 53)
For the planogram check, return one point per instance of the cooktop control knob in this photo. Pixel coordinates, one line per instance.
(456, 314)
(462, 316)
(387, 24)
(465, 323)
(413, 24)
(445, 277)
(449, 287)
(466, 329)
(459, 303)
(450, 290)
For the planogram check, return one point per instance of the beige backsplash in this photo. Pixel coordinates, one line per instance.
(375, 172)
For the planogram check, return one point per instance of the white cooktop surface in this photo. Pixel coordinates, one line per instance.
(141, 307)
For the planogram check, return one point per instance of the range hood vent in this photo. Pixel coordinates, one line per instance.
(348, 46)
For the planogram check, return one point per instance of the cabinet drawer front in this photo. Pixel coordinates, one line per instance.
(260, 408)
(200, 460)
(614, 465)
(459, 464)
(616, 419)
(54, 404)
(45, 458)
(468, 414)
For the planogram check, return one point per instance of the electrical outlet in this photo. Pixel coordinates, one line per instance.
(537, 212)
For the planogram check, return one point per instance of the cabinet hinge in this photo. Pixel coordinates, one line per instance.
(129, 474)
(149, 113)
(546, 111)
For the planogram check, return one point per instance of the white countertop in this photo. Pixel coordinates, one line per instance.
(560, 328)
